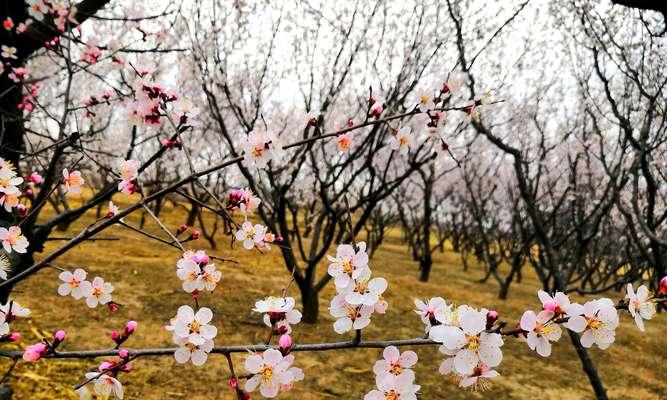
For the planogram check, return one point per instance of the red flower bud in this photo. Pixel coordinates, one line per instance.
(663, 285)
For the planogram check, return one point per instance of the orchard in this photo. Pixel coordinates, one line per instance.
(379, 200)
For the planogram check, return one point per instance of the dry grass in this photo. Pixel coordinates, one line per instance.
(143, 273)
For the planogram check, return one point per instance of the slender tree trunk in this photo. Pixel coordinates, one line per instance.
(588, 366)
(425, 267)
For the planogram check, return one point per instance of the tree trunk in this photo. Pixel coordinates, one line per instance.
(425, 267)
(588, 366)
(311, 303)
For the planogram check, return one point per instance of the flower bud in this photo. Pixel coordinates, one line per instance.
(491, 318)
(233, 382)
(34, 352)
(182, 228)
(21, 209)
(36, 178)
(14, 337)
(130, 327)
(195, 235)
(115, 336)
(113, 307)
(59, 336)
(663, 285)
(123, 353)
(285, 342)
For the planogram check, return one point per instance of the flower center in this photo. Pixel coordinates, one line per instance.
(353, 313)
(391, 395)
(594, 323)
(424, 99)
(347, 267)
(473, 343)
(97, 292)
(396, 369)
(257, 151)
(266, 373)
(195, 326)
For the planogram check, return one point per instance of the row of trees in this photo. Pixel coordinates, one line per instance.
(563, 172)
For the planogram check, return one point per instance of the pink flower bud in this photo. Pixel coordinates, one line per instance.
(123, 353)
(36, 178)
(663, 285)
(285, 342)
(491, 318)
(550, 305)
(115, 336)
(113, 307)
(34, 352)
(182, 228)
(195, 235)
(59, 335)
(14, 337)
(28, 192)
(130, 327)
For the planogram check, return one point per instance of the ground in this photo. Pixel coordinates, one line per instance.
(143, 273)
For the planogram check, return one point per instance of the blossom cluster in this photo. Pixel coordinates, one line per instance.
(75, 284)
(197, 272)
(104, 379)
(472, 348)
(357, 295)
(193, 334)
(9, 185)
(272, 372)
(249, 234)
(394, 377)
(191, 330)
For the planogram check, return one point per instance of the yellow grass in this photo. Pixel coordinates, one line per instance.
(143, 273)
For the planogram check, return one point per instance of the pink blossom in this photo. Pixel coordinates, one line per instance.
(34, 352)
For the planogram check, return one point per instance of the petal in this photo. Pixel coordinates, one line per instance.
(465, 361)
(391, 354)
(490, 355)
(182, 355)
(342, 325)
(528, 320)
(473, 322)
(450, 336)
(272, 357)
(254, 363)
(204, 315)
